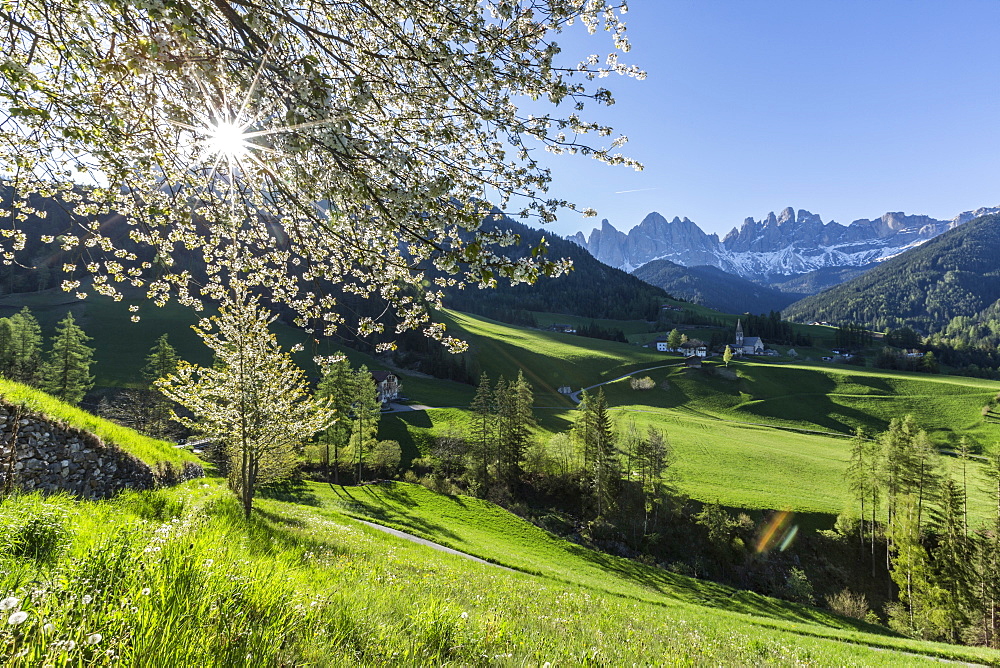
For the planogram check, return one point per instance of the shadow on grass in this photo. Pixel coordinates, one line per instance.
(706, 593)
(269, 532)
(396, 427)
(290, 491)
(387, 504)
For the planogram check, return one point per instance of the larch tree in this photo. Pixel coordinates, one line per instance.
(348, 144)
(7, 358)
(66, 371)
(336, 387)
(366, 411)
(674, 339)
(160, 363)
(27, 347)
(254, 400)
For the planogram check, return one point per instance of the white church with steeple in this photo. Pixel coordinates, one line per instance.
(746, 345)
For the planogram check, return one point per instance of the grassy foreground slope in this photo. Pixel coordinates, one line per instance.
(177, 577)
(150, 450)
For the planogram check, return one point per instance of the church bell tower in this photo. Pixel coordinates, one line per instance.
(739, 334)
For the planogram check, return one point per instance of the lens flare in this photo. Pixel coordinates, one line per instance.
(779, 532)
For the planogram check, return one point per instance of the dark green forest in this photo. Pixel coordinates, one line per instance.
(712, 287)
(592, 289)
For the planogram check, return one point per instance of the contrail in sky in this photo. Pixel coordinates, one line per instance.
(637, 190)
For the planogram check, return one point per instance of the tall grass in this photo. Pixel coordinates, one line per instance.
(178, 577)
(150, 450)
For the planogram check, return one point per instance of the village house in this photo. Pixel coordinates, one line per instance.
(387, 385)
(661, 345)
(694, 349)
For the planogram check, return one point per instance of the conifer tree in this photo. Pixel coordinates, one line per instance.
(858, 480)
(520, 420)
(66, 372)
(7, 357)
(952, 555)
(337, 389)
(366, 416)
(27, 347)
(482, 434)
(160, 363)
(607, 469)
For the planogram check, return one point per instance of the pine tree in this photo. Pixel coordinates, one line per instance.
(951, 557)
(66, 372)
(519, 414)
(160, 363)
(607, 469)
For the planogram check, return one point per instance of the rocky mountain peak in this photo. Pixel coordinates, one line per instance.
(789, 242)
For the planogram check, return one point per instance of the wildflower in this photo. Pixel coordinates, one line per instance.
(209, 562)
(87, 598)
(17, 618)
(94, 638)
(9, 603)
(145, 591)
(48, 628)
(464, 615)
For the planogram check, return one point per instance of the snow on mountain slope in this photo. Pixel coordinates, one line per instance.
(777, 245)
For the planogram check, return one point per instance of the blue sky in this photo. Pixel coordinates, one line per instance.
(847, 109)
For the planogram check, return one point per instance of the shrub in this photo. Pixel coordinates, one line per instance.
(849, 604)
(644, 383)
(797, 587)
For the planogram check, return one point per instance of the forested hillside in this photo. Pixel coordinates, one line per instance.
(592, 289)
(712, 287)
(956, 275)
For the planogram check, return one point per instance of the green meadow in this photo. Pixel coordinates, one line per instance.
(178, 577)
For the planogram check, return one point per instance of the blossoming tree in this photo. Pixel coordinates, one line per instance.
(252, 401)
(295, 145)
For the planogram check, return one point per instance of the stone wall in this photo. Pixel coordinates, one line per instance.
(52, 457)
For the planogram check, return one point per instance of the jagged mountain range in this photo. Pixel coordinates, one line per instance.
(778, 245)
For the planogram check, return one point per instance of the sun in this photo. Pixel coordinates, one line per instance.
(227, 139)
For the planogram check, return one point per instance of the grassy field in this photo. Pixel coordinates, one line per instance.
(177, 577)
(547, 359)
(149, 450)
(824, 398)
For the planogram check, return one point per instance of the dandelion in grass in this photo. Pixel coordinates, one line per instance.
(94, 638)
(18, 617)
(87, 598)
(209, 562)
(9, 603)
(48, 628)
(145, 591)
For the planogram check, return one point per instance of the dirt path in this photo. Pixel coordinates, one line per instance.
(431, 544)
